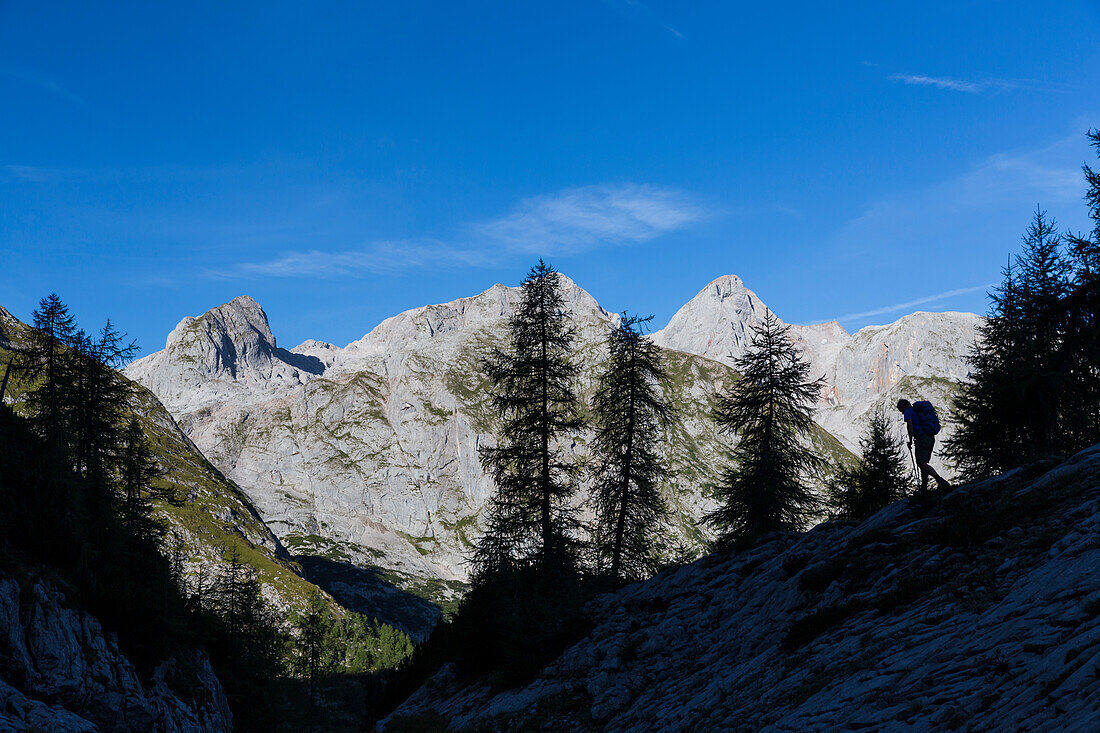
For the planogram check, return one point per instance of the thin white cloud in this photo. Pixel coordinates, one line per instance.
(941, 82)
(913, 303)
(647, 12)
(569, 222)
(376, 258)
(23, 173)
(580, 219)
(43, 82)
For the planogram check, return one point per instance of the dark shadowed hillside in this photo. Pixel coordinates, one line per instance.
(978, 611)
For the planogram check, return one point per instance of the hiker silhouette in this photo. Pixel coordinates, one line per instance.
(922, 424)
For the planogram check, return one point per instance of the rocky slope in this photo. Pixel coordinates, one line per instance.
(60, 672)
(919, 356)
(977, 611)
(368, 455)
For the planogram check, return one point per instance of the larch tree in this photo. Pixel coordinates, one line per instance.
(629, 412)
(530, 518)
(764, 488)
(881, 477)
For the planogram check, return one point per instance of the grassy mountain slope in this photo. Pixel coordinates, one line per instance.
(216, 517)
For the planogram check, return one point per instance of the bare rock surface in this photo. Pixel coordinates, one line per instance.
(373, 459)
(978, 610)
(59, 671)
(367, 455)
(919, 356)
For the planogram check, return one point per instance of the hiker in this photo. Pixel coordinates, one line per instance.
(923, 424)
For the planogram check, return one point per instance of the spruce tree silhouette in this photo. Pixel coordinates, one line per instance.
(881, 477)
(530, 518)
(770, 409)
(629, 413)
(1009, 411)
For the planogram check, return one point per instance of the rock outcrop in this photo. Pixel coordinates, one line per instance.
(919, 356)
(59, 671)
(367, 455)
(373, 459)
(977, 611)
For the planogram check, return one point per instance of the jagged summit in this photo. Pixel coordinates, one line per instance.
(234, 336)
(229, 350)
(717, 323)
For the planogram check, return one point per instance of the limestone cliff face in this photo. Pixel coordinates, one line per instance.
(59, 671)
(372, 458)
(919, 356)
(369, 453)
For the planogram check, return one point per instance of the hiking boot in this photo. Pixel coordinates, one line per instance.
(942, 484)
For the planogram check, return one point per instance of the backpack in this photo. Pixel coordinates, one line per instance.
(925, 420)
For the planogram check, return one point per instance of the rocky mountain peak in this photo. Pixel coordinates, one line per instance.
(717, 323)
(226, 352)
(233, 339)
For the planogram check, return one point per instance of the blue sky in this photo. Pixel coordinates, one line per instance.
(342, 162)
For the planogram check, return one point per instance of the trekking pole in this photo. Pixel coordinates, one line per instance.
(916, 471)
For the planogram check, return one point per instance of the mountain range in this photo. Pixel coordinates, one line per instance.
(365, 458)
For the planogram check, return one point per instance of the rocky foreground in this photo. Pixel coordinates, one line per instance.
(59, 671)
(978, 610)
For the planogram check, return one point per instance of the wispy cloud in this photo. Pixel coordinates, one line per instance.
(23, 173)
(991, 85)
(42, 82)
(579, 219)
(913, 303)
(648, 13)
(378, 257)
(569, 222)
(941, 82)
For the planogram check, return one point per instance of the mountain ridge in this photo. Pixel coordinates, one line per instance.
(372, 452)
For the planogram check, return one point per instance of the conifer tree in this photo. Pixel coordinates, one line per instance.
(138, 471)
(1010, 408)
(769, 408)
(252, 644)
(629, 412)
(881, 477)
(530, 518)
(97, 403)
(312, 653)
(1082, 358)
(43, 363)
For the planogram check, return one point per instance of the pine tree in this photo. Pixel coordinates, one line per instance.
(43, 363)
(881, 477)
(138, 471)
(629, 412)
(769, 408)
(313, 655)
(1009, 411)
(530, 518)
(1082, 352)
